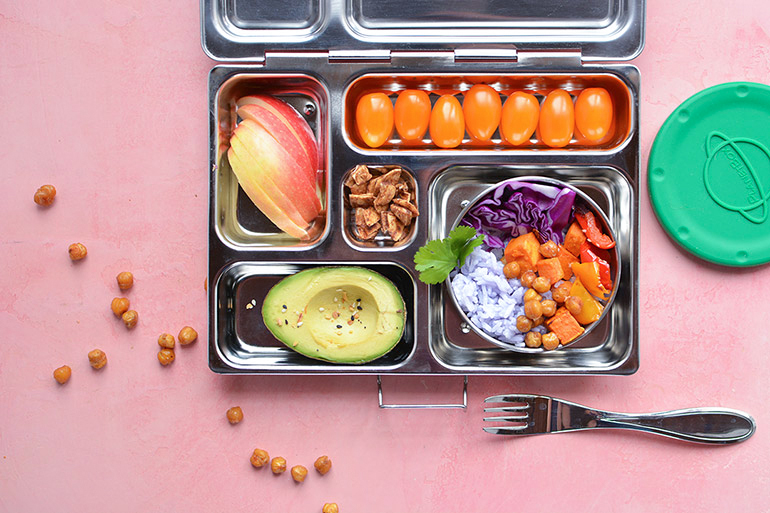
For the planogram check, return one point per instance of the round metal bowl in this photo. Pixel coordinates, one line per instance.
(581, 199)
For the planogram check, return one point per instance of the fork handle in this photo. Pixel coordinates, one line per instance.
(704, 425)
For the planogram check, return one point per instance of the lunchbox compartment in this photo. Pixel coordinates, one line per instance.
(537, 84)
(611, 344)
(239, 222)
(242, 342)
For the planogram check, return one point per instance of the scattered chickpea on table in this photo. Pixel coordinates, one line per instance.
(77, 251)
(166, 340)
(62, 374)
(187, 335)
(323, 464)
(278, 465)
(97, 358)
(45, 195)
(120, 305)
(298, 473)
(130, 318)
(125, 280)
(235, 415)
(166, 356)
(330, 507)
(260, 457)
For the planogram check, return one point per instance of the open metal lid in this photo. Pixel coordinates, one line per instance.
(601, 30)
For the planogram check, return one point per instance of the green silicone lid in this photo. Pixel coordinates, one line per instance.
(709, 174)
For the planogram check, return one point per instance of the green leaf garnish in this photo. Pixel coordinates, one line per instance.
(436, 259)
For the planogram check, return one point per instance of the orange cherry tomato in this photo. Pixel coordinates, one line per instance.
(447, 124)
(482, 107)
(593, 113)
(557, 119)
(519, 120)
(412, 114)
(374, 119)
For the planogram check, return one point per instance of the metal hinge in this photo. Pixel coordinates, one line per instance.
(560, 58)
(359, 55)
(486, 55)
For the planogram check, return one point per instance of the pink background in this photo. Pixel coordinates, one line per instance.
(107, 101)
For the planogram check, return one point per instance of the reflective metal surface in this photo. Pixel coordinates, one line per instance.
(531, 414)
(245, 30)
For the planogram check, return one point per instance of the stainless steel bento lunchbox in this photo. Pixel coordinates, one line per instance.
(322, 57)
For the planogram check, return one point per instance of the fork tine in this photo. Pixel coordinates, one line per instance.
(521, 408)
(507, 430)
(508, 398)
(510, 418)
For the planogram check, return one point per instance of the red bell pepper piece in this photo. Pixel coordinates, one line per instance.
(587, 222)
(590, 253)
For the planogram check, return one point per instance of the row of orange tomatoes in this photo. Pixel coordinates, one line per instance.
(482, 113)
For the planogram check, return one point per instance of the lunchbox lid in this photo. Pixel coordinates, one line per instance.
(600, 30)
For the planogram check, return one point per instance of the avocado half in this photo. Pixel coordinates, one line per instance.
(336, 314)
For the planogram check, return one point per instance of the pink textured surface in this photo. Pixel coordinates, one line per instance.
(107, 101)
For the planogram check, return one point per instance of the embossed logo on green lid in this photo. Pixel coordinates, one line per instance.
(727, 163)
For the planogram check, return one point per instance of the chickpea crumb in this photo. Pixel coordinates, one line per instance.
(235, 415)
(278, 465)
(166, 340)
(298, 473)
(120, 305)
(187, 335)
(62, 374)
(330, 507)
(323, 464)
(45, 195)
(130, 318)
(259, 458)
(166, 356)
(97, 358)
(77, 251)
(125, 280)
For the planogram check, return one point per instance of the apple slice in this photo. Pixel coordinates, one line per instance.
(274, 167)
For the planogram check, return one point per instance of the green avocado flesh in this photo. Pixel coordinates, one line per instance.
(336, 314)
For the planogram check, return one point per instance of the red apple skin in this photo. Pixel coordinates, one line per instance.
(276, 114)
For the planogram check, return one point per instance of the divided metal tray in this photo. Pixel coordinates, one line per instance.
(247, 254)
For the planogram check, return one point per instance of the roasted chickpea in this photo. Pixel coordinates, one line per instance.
(298, 473)
(330, 507)
(259, 458)
(235, 415)
(527, 278)
(97, 358)
(130, 318)
(550, 341)
(549, 307)
(532, 295)
(77, 251)
(574, 305)
(512, 270)
(538, 322)
(523, 323)
(125, 280)
(323, 465)
(120, 305)
(560, 292)
(549, 249)
(278, 465)
(187, 335)
(533, 309)
(541, 284)
(532, 339)
(166, 357)
(62, 374)
(166, 340)
(45, 195)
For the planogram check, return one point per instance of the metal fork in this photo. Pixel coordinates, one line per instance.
(537, 414)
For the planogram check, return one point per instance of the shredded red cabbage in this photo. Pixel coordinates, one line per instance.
(515, 207)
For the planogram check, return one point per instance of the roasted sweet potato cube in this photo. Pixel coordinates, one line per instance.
(574, 239)
(366, 217)
(551, 269)
(361, 200)
(368, 232)
(566, 259)
(403, 214)
(564, 325)
(524, 250)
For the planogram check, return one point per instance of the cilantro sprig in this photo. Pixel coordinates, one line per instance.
(436, 259)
